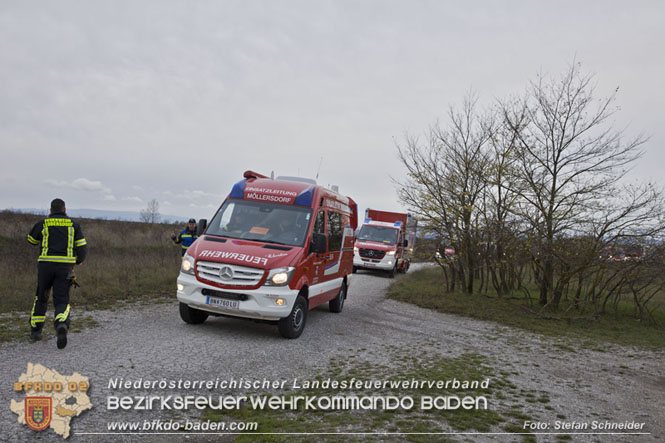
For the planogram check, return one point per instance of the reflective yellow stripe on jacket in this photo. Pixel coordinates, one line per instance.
(71, 243)
(57, 259)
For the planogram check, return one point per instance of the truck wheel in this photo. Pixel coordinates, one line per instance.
(393, 271)
(337, 303)
(355, 269)
(191, 315)
(293, 325)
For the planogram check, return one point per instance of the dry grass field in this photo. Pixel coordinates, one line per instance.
(126, 261)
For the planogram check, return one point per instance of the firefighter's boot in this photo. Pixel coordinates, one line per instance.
(36, 334)
(61, 333)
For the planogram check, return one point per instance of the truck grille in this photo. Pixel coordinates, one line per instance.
(371, 253)
(232, 275)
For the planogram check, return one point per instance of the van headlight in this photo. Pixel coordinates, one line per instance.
(390, 253)
(280, 276)
(187, 265)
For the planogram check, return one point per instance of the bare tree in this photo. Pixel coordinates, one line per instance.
(151, 213)
(501, 248)
(446, 182)
(570, 159)
(531, 191)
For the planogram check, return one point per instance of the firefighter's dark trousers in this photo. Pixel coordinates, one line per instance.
(51, 275)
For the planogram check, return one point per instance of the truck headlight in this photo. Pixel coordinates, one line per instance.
(355, 249)
(187, 265)
(280, 276)
(390, 253)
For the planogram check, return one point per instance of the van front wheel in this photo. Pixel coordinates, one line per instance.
(191, 315)
(337, 303)
(293, 325)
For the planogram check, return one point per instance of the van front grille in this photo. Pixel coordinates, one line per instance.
(232, 275)
(372, 253)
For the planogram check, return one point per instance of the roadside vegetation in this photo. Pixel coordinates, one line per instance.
(127, 261)
(579, 322)
(529, 207)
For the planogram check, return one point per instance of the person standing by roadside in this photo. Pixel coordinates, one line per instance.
(62, 247)
(186, 236)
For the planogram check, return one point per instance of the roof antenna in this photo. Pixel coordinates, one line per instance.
(319, 168)
(272, 174)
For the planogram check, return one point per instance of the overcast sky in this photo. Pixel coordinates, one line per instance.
(109, 104)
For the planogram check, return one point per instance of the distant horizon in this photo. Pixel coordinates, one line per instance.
(102, 214)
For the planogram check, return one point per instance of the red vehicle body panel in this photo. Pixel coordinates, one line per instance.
(386, 216)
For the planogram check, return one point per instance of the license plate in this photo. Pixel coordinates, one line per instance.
(223, 303)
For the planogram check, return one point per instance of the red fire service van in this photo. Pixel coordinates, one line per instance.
(275, 249)
(383, 242)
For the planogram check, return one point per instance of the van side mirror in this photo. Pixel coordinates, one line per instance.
(319, 243)
(406, 243)
(201, 226)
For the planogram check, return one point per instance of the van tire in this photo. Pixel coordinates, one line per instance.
(337, 304)
(393, 271)
(293, 325)
(355, 269)
(191, 315)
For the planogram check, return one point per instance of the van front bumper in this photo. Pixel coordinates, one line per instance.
(385, 264)
(257, 303)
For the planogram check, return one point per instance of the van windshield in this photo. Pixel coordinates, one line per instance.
(378, 234)
(265, 222)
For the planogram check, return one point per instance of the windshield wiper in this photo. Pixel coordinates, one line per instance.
(220, 235)
(274, 242)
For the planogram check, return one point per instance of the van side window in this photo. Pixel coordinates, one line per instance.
(335, 231)
(319, 223)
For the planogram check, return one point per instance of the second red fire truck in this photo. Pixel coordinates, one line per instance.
(384, 242)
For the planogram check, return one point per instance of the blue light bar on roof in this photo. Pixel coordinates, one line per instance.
(305, 197)
(367, 220)
(398, 224)
(238, 190)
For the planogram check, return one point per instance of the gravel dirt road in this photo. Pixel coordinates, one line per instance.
(150, 342)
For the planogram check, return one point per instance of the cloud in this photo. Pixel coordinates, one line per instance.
(198, 195)
(83, 184)
(132, 199)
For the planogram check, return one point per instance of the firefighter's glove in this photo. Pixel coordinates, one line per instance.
(72, 280)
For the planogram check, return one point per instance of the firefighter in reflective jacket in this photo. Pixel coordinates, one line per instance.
(186, 236)
(62, 246)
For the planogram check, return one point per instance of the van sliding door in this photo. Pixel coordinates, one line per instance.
(335, 242)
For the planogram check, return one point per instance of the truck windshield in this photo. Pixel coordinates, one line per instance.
(378, 234)
(266, 222)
